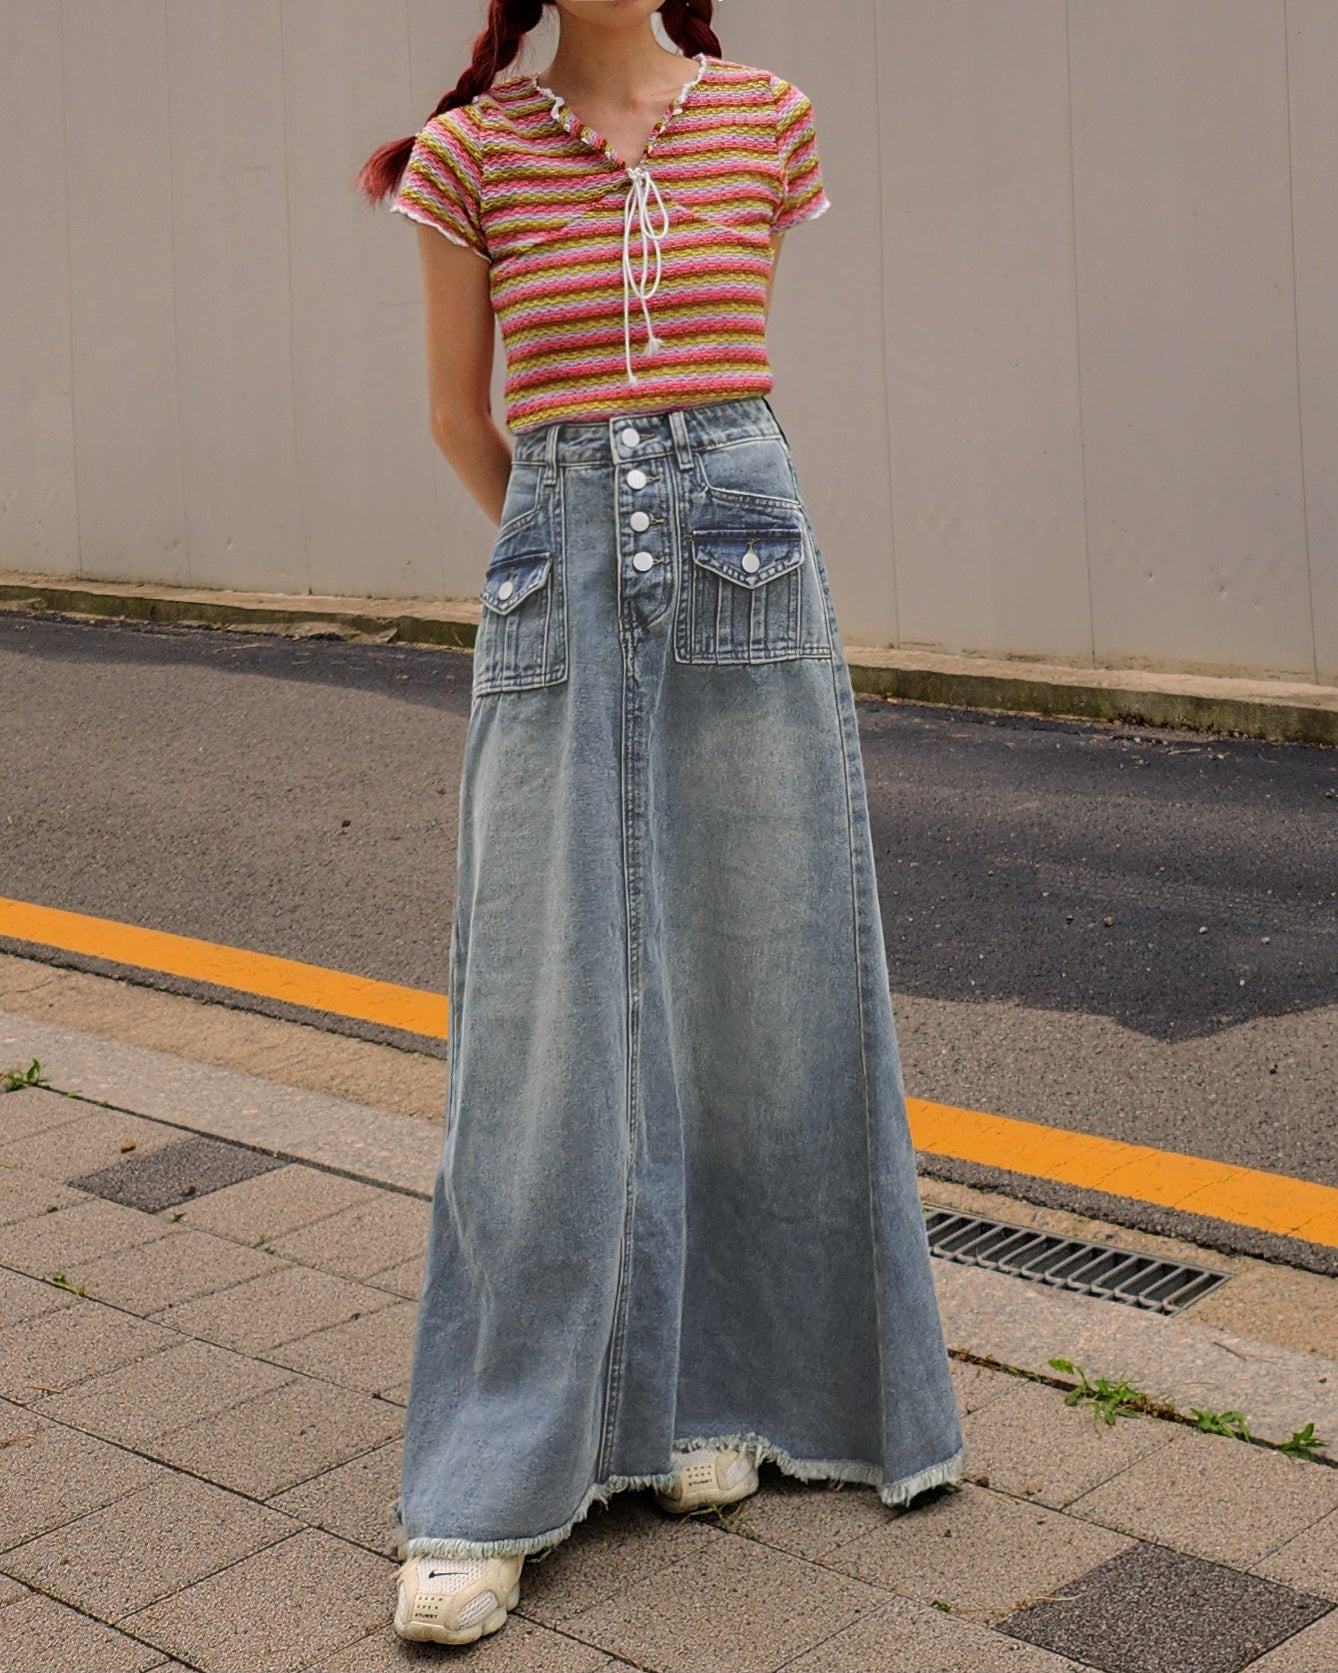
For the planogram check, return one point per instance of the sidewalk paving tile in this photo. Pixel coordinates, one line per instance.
(1312, 1650)
(1214, 1496)
(350, 1500)
(1152, 1610)
(146, 1545)
(34, 1109)
(361, 1241)
(58, 1350)
(43, 1634)
(979, 1385)
(93, 1140)
(284, 1200)
(193, 1165)
(366, 1353)
(293, 1301)
(980, 1552)
(10, 1590)
(178, 1267)
(278, 1609)
(730, 1604)
(808, 1518)
(24, 1196)
(405, 1279)
(1032, 1446)
(52, 1474)
(48, 1243)
(191, 1381)
(22, 1297)
(520, 1647)
(614, 1547)
(282, 1437)
(1309, 1561)
(906, 1637)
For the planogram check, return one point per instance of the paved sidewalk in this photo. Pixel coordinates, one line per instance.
(207, 1296)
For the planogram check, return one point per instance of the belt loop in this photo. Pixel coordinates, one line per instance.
(550, 475)
(678, 428)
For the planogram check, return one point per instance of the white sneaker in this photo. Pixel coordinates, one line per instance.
(454, 1600)
(708, 1477)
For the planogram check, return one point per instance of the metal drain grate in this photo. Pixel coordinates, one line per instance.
(1069, 1263)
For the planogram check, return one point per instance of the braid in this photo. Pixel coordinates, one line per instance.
(509, 21)
(688, 25)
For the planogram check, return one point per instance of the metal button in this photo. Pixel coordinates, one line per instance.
(643, 560)
(630, 438)
(639, 521)
(506, 589)
(751, 562)
(636, 479)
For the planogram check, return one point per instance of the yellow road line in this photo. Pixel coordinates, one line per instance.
(1270, 1202)
(261, 974)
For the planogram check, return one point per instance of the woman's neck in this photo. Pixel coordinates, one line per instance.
(619, 66)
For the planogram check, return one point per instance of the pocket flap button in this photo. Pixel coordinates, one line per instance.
(512, 577)
(746, 557)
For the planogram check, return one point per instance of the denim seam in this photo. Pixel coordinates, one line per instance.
(844, 698)
(622, 1293)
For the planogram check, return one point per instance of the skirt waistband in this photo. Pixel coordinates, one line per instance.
(681, 431)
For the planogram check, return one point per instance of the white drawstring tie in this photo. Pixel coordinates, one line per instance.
(641, 191)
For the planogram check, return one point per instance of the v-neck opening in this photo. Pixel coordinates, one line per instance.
(571, 122)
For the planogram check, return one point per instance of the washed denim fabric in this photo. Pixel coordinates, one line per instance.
(677, 1201)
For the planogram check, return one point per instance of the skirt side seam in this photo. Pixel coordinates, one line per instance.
(842, 693)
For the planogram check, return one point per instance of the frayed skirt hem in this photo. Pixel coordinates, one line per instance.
(892, 1493)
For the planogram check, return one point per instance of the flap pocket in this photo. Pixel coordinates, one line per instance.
(511, 580)
(748, 557)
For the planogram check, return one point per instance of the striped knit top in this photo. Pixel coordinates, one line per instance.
(623, 287)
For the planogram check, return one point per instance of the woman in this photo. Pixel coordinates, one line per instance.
(676, 1228)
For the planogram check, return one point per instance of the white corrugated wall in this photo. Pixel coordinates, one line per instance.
(1060, 368)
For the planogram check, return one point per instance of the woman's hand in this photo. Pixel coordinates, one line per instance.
(461, 332)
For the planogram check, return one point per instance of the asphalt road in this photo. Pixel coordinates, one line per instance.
(1122, 931)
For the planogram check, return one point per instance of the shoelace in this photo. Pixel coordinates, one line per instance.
(642, 189)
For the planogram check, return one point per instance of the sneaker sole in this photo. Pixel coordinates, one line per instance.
(705, 1497)
(423, 1632)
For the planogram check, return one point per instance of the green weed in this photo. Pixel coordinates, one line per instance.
(1303, 1443)
(14, 1080)
(1109, 1399)
(1221, 1423)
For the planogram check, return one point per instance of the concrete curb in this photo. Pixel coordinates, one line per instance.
(1282, 711)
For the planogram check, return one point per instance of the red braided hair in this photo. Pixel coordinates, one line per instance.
(686, 22)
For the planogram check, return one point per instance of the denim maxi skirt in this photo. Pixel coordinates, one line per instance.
(677, 1203)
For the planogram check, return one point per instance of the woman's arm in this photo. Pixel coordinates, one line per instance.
(460, 336)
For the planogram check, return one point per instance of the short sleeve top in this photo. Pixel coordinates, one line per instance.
(623, 288)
